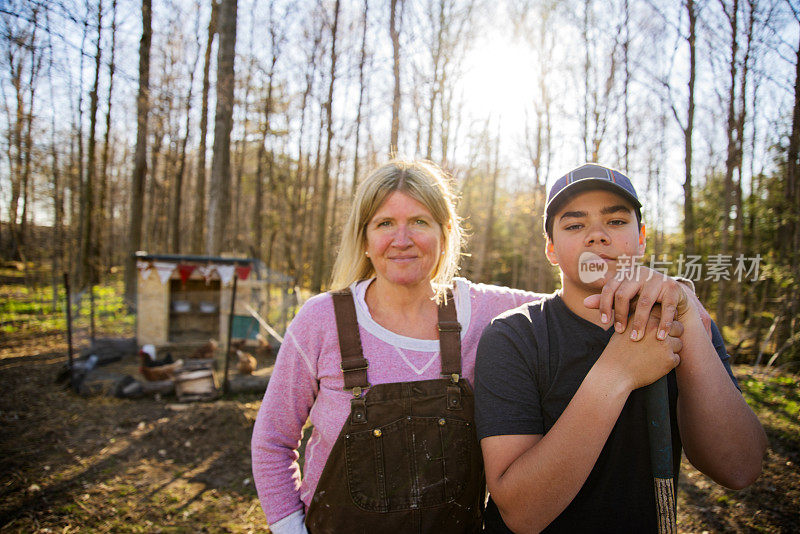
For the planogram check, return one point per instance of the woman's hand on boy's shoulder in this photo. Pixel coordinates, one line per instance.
(636, 291)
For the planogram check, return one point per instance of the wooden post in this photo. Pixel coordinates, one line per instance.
(69, 321)
(91, 314)
(225, 386)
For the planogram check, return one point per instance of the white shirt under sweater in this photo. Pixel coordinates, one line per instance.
(307, 384)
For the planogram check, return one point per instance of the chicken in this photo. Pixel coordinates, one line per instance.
(148, 357)
(247, 362)
(264, 349)
(161, 372)
(205, 352)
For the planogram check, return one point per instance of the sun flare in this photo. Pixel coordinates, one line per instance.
(500, 82)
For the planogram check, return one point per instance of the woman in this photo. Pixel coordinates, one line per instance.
(393, 444)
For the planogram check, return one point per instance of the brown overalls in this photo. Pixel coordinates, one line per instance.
(407, 458)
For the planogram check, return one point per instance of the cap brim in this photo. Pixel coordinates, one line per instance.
(585, 184)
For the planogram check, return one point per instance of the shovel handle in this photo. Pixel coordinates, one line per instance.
(660, 436)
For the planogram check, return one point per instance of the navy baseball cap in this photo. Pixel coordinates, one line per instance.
(589, 176)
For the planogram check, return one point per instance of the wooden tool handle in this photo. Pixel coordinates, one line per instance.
(660, 436)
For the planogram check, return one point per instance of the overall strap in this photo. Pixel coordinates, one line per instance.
(449, 337)
(354, 365)
(450, 349)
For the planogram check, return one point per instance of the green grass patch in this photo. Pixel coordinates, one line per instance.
(123, 490)
(70, 508)
(776, 399)
(31, 308)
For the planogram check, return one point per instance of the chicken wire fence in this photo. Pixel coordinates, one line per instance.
(34, 299)
(100, 327)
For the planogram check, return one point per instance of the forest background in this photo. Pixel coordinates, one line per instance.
(206, 127)
(221, 127)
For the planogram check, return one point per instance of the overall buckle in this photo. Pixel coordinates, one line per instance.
(454, 393)
(358, 406)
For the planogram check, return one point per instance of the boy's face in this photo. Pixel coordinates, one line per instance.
(591, 234)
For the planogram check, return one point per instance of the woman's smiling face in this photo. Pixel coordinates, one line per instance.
(403, 241)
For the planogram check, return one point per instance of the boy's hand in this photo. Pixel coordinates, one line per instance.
(642, 288)
(648, 360)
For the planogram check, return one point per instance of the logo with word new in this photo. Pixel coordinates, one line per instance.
(591, 267)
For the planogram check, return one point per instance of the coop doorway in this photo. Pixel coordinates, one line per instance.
(194, 311)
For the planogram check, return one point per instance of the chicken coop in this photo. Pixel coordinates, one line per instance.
(186, 299)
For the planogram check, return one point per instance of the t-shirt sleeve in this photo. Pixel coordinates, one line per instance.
(719, 346)
(506, 396)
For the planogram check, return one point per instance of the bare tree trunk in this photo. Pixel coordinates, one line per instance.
(72, 181)
(258, 207)
(322, 221)
(627, 83)
(361, 63)
(586, 84)
(219, 207)
(80, 168)
(277, 39)
(258, 211)
(303, 168)
(103, 230)
(436, 58)
(315, 200)
(688, 200)
(27, 197)
(57, 249)
(179, 176)
(338, 185)
(200, 206)
(237, 204)
(70, 186)
(738, 194)
(15, 154)
(599, 100)
(730, 162)
(394, 32)
(87, 267)
(140, 157)
(792, 195)
(456, 22)
(153, 196)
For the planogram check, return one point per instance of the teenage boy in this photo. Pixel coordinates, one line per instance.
(559, 411)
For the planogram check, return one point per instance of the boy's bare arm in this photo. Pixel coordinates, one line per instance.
(721, 435)
(532, 478)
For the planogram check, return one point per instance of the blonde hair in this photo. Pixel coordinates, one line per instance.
(423, 181)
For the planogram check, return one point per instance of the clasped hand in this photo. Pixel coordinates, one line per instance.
(643, 362)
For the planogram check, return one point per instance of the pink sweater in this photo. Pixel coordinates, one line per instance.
(307, 383)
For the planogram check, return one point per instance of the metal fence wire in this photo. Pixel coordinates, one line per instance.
(35, 300)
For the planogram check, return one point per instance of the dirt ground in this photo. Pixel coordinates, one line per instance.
(100, 464)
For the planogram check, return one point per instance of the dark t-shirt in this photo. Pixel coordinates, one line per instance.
(520, 391)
